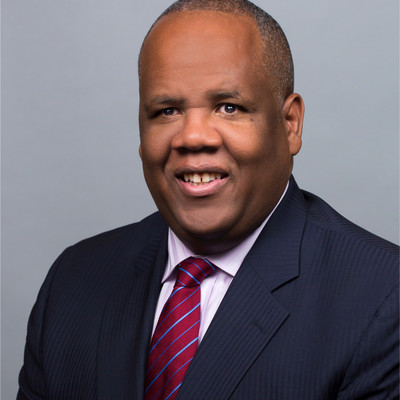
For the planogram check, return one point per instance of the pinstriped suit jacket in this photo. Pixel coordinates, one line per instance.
(311, 314)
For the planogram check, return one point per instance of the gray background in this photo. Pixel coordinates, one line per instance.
(70, 166)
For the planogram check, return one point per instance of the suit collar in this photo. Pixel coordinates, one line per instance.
(275, 255)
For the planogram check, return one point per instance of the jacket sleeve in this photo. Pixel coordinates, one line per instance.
(32, 381)
(374, 370)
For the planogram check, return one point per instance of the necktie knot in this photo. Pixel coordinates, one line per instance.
(192, 271)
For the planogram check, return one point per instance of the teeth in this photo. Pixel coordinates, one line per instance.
(206, 177)
(198, 179)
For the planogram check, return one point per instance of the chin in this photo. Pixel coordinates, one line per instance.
(207, 226)
(204, 236)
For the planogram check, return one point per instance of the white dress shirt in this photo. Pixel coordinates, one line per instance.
(214, 287)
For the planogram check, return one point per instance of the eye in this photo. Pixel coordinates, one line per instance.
(164, 112)
(168, 111)
(229, 109)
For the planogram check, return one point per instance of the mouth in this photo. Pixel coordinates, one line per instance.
(202, 183)
(203, 178)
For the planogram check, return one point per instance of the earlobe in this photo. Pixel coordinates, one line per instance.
(293, 113)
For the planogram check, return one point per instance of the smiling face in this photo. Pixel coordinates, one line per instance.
(216, 144)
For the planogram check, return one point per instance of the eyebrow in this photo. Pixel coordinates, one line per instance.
(164, 99)
(214, 96)
(218, 96)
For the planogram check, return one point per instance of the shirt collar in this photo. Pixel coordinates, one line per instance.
(228, 261)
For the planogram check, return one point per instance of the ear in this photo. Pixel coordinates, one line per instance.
(293, 113)
(140, 151)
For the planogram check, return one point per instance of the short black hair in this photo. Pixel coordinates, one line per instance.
(277, 57)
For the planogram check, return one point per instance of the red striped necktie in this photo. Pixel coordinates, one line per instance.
(174, 341)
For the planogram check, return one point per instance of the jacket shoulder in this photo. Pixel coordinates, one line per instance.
(139, 233)
(109, 256)
(330, 226)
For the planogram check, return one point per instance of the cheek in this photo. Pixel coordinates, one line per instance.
(252, 146)
(155, 149)
(155, 143)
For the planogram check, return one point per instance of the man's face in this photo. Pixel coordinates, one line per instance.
(216, 144)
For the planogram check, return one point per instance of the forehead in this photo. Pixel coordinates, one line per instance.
(200, 35)
(201, 42)
(187, 26)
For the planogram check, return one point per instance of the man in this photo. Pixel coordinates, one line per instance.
(296, 302)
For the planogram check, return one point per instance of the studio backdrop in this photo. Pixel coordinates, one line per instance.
(70, 164)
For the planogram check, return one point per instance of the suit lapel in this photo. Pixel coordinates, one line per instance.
(127, 324)
(249, 315)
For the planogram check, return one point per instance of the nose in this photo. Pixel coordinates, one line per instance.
(197, 133)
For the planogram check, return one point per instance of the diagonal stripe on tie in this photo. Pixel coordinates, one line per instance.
(173, 326)
(160, 322)
(188, 273)
(170, 361)
(151, 366)
(183, 366)
(175, 338)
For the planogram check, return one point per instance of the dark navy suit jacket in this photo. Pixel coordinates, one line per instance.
(311, 314)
